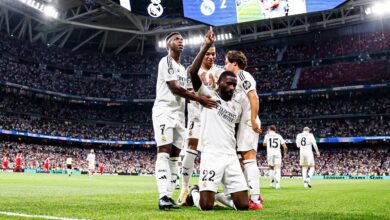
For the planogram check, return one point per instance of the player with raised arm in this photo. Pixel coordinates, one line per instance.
(208, 73)
(305, 141)
(273, 141)
(219, 163)
(168, 117)
(91, 163)
(249, 126)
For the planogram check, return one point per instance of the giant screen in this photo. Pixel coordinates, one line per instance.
(224, 12)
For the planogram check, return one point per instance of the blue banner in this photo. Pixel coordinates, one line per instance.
(129, 142)
(80, 140)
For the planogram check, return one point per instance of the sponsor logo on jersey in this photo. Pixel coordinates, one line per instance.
(225, 114)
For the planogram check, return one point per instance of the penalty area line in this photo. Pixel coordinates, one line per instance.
(36, 216)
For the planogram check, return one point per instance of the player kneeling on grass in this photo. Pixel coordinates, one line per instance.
(219, 162)
(272, 141)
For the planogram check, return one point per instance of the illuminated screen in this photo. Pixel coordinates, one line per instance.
(224, 12)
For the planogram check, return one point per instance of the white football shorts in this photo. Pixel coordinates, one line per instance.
(274, 159)
(168, 130)
(225, 169)
(247, 139)
(306, 158)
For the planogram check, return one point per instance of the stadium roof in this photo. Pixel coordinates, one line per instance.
(107, 27)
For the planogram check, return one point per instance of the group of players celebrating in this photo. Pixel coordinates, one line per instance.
(223, 124)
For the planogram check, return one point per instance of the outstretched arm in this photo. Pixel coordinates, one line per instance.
(193, 70)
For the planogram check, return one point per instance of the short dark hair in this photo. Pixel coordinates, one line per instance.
(238, 57)
(225, 74)
(272, 127)
(170, 35)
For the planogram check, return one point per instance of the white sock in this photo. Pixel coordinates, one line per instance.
(196, 197)
(271, 175)
(163, 174)
(252, 175)
(225, 199)
(188, 166)
(304, 173)
(278, 175)
(311, 172)
(174, 168)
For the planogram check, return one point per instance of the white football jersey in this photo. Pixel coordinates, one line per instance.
(91, 158)
(305, 141)
(245, 84)
(166, 102)
(194, 107)
(274, 141)
(217, 125)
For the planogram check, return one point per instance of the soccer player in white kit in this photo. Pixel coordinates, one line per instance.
(273, 141)
(208, 73)
(168, 117)
(305, 141)
(91, 162)
(219, 162)
(249, 126)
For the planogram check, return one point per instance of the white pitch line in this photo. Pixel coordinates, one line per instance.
(36, 216)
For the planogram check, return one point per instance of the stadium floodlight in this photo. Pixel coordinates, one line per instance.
(197, 40)
(379, 8)
(50, 11)
(41, 6)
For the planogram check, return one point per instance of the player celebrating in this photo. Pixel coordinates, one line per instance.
(5, 162)
(168, 117)
(305, 141)
(207, 73)
(18, 163)
(272, 141)
(69, 165)
(219, 162)
(249, 126)
(91, 163)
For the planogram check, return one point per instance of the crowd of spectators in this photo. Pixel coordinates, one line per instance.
(342, 74)
(334, 160)
(58, 81)
(330, 115)
(320, 107)
(273, 79)
(347, 45)
(32, 65)
(130, 160)
(337, 127)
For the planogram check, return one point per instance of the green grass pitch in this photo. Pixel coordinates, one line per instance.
(125, 197)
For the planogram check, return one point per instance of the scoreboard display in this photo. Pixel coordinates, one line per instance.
(225, 12)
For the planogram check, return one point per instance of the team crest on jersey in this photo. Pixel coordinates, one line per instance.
(163, 138)
(246, 84)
